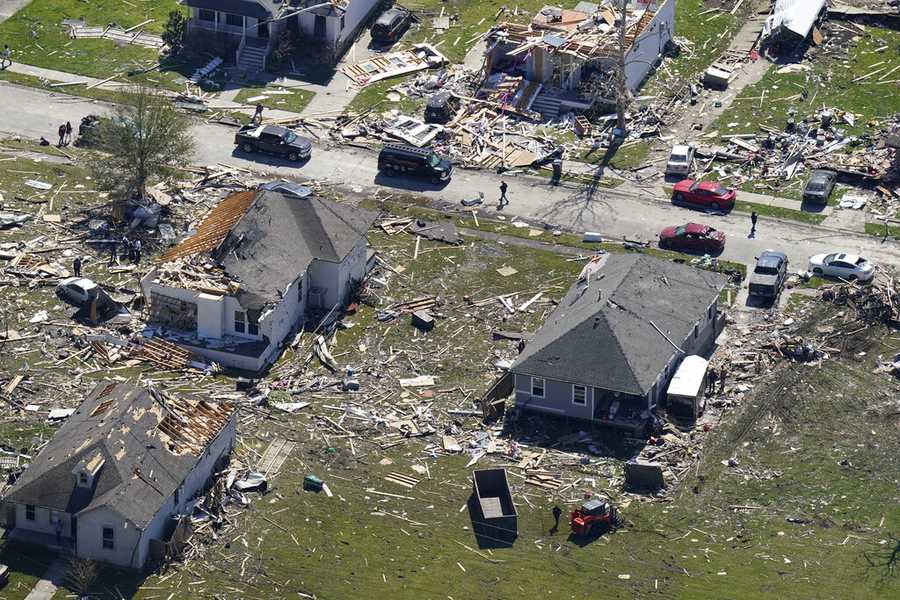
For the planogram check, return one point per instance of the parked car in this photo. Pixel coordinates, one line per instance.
(703, 194)
(274, 140)
(402, 159)
(680, 160)
(769, 274)
(692, 236)
(441, 107)
(390, 25)
(842, 265)
(819, 186)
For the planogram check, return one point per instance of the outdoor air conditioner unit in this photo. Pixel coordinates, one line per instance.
(315, 297)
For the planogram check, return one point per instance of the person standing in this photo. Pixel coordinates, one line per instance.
(557, 513)
(6, 61)
(68, 132)
(76, 266)
(257, 116)
(113, 253)
(557, 171)
(753, 218)
(503, 199)
(137, 252)
(62, 135)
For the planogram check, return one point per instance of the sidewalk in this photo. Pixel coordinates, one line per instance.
(59, 76)
(46, 587)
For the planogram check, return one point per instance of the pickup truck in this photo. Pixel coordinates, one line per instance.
(769, 274)
(274, 140)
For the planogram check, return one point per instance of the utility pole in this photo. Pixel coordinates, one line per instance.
(622, 91)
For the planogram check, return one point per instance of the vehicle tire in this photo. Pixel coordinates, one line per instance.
(664, 245)
(435, 180)
(293, 157)
(247, 147)
(679, 198)
(817, 271)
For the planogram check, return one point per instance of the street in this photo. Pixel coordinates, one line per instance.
(614, 213)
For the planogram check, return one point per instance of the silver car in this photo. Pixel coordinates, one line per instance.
(842, 265)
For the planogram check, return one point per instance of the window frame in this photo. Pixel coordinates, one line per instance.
(110, 539)
(543, 387)
(230, 16)
(205, 12)
(253, 323)
(82, 478)
(32, 510)
(584, 394)
(242, 321)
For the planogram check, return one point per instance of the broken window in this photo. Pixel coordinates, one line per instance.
(537, 387)
(108, 538)
(579, 395)
(172, 312)
(240, 321)
(207, 15)
(29, 512)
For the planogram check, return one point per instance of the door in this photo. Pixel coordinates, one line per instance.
(319, 28)
(262, 30)
(10, 516)
(74, 520)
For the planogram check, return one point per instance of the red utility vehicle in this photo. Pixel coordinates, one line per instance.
(594, 517)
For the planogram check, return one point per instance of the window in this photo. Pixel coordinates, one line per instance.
(29, 512)
(253, 322)
(579, 395)
(82, 478)
(537, 387)
(234, 20)
(240, 321)
(696, 331)
(207, 15)
(108, 538)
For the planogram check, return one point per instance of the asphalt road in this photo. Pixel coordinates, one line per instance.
(623, 211)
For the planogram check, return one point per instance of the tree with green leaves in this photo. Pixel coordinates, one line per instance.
(176, 31)
(145, 140)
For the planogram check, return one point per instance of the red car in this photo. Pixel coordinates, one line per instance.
(692, 236)
(703, 194)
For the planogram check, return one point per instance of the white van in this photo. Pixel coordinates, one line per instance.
(680, 160)
(685, 396)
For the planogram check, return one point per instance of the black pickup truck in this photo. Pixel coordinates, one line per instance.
(274, 140)
(769, 274)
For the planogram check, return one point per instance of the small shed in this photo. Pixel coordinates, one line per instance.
(497, 516)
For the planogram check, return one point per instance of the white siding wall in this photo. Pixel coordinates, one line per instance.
(282, 319)
(90, 537)
(646, 49)
(41, 523)
(357, 11)
(352, 269)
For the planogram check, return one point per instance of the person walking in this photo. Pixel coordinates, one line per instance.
(503, 199)
(557, 513)
(68, 132)
(76, 266)
(62, 135)
(137, 252)
(753, 218)
(113, 253)
(257, 116)
(6, 60)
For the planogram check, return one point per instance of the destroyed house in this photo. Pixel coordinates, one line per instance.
(567, 60)
(114, 481)
(257, 267)
(606, 353)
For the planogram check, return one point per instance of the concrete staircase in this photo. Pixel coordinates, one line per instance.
(252, 57)
(546, 104)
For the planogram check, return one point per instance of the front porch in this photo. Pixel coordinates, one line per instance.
(45, 540)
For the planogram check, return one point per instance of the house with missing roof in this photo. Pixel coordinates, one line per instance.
(608, 350)
(114, 481)
(566, 59)
(260, 265)
(250, 28)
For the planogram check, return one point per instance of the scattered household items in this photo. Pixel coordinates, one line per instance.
(422, 56)
(273, 139)
(88, 131)
(391, 24)
(717, 76)
(9, 220)
(594, 517)
(791, 22)
(412, 130)
(692, 237)
(680, 160)
(703, 194)
(769, 274)
(206, 70)
(251, 481)
(400, 159)
(685, 397)
(132, 36)
(495, 516)
(819, 186)
(842, 265)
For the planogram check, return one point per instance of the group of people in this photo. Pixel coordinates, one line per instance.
(131, 249)
(65, 134)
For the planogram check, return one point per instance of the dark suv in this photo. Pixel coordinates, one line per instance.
(390, 25)
(441, 107)
(769, 274)
(401, 159)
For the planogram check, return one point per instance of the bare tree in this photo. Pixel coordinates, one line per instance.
(145, 140)
(82, 575)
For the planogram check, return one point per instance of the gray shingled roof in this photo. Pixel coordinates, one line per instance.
(140, 470)
(249, 8)
(280, 235)
(601, 333)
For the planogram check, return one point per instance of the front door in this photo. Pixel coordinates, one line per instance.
(74, 520)
(262, 31)
(319, 29)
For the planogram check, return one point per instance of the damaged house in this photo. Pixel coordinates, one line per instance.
(566, 60)
(791, 22)
(250, 28)
(112, 483)
(259, 265)
(607, 352)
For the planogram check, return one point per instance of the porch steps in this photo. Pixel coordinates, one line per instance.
(252, 57)
(547, 105)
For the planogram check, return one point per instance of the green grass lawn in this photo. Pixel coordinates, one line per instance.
(877, 229)
(830, 83)
(374, 97)
(296, 101)
(74, 90)
(37, 37)
(778, 212)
